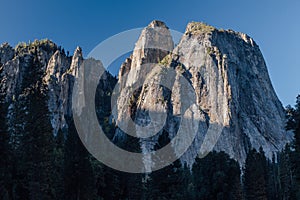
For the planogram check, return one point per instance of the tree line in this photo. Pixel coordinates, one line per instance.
(35, 165)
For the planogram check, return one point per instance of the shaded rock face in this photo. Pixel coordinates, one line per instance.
(236, 105)
(6, 52)
(22, 67)
(41, 66)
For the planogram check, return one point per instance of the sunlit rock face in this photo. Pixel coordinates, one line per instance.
(236, 105)
(213, 86)
(231, 80)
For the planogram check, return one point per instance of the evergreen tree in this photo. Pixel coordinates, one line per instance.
(37, 147)
(30, 134)
(79, 180)
(216, 176)
(6, 157)
(296, 158)
(111, 185)
(167, 183)
(58, 164)
(255, 182)
(286, 177)
(273, 181)
(293, 115)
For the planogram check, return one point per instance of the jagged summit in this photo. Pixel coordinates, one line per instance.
(195, 28)
(233, 92)
(35, 66)
(157, 23)
(78, 51)
(154, 43)
(198, 27)
(30, 48)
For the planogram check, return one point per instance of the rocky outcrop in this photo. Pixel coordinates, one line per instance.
(233, 88)
(154, 43)
(22, 66)
(6, 52)
(40, 65)
(214, 83)
(237, 108)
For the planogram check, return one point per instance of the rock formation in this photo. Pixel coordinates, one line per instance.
(218, 82)
(230, 84)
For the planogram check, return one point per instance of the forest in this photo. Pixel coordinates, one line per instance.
(37, 165)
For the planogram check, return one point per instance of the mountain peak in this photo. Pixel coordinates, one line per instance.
(154, 43)
(229, 81)
(78, 52)
(199, 27)
(157, 23)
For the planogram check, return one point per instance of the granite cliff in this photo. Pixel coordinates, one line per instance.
(224, 70)
(228, 79)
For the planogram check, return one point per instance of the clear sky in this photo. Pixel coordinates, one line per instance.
(274, 25)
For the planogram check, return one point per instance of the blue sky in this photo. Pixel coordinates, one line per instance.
(274, 25)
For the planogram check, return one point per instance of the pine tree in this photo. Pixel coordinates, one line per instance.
(255, 182)
(296, 153)
(58, 164)
(216, 176)
(286, 177)
(293, 123)
(79, 180)
(6, 157)
(167, 183)
(273, 181)
(37, 146)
